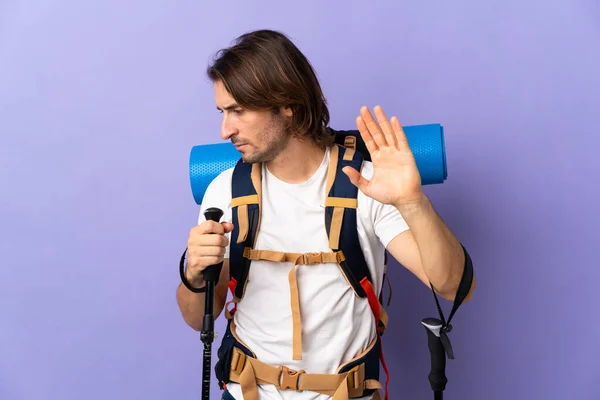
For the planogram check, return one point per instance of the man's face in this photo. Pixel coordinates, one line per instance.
(258, 135)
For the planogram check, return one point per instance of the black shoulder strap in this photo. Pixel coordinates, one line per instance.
(341, 217)
(245, 211)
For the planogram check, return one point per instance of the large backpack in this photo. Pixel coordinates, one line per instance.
(237, 363)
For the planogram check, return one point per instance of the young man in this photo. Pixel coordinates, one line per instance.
(300, 322)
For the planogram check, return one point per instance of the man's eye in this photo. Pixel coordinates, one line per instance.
(238, 111)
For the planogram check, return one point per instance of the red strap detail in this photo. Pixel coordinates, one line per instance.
(232, 285)
(385, 368)
(374, 304)
(372, 297)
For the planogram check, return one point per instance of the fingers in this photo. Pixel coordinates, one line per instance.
(376, 133)
(355, 177)
(228, 226)
(386, 126)
(210, 233)
(209, 226)
(208, 251)
(207, 245)
(210, 239)
(399, 134)
(366, 135)
(373, 131)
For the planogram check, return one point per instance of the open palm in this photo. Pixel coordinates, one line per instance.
(396, 179)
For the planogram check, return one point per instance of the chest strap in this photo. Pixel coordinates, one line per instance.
(296, 259)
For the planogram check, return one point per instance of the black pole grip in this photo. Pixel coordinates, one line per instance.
(437, 374)
(211, 274)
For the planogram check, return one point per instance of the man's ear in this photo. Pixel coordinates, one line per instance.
(287, 111)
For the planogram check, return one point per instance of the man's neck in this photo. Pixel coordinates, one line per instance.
(298, 162)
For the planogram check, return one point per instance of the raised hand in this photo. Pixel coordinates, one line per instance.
(396, 179)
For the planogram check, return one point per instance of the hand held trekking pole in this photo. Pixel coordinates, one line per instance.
(211, 277)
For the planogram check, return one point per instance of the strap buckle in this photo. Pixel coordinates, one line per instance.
(355, 378)
(289, 379)
(350, 142)
(238, 361)
(246, 253)
(312, 258)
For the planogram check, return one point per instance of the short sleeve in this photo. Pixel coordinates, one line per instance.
(387, 220)
(218, 194)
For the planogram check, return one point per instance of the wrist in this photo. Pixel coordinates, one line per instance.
(196, 281)
(415, 208)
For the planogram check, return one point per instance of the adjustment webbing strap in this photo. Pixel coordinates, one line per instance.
(296, 259)
(376, 308)
(250, 372)
(464, 287)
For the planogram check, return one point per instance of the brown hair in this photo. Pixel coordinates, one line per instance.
(265, 70)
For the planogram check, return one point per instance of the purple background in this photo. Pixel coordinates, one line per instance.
(101, 102)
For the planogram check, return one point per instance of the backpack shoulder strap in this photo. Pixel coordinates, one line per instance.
(246, 185)
(341, 220)
(341, 223)
(341, 217)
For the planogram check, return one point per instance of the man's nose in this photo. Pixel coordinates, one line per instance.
(227, 129)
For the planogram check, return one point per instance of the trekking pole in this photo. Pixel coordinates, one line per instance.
(438, 329)
(207, 335)
(439, 345)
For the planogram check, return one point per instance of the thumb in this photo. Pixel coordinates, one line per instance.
(355, 177)
(228, 226)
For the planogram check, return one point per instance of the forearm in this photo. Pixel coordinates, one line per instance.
(192, 305)
(441, 253)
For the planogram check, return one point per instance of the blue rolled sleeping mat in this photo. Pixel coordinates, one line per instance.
(425, 141)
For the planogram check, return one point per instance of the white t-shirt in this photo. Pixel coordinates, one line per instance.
(336, 324)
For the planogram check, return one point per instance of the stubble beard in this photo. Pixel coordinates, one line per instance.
(274, 138)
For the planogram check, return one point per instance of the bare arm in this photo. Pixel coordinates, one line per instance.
(191, 304)
(429, 250)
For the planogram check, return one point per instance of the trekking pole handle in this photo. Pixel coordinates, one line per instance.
(437, 375)
(212, 272)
